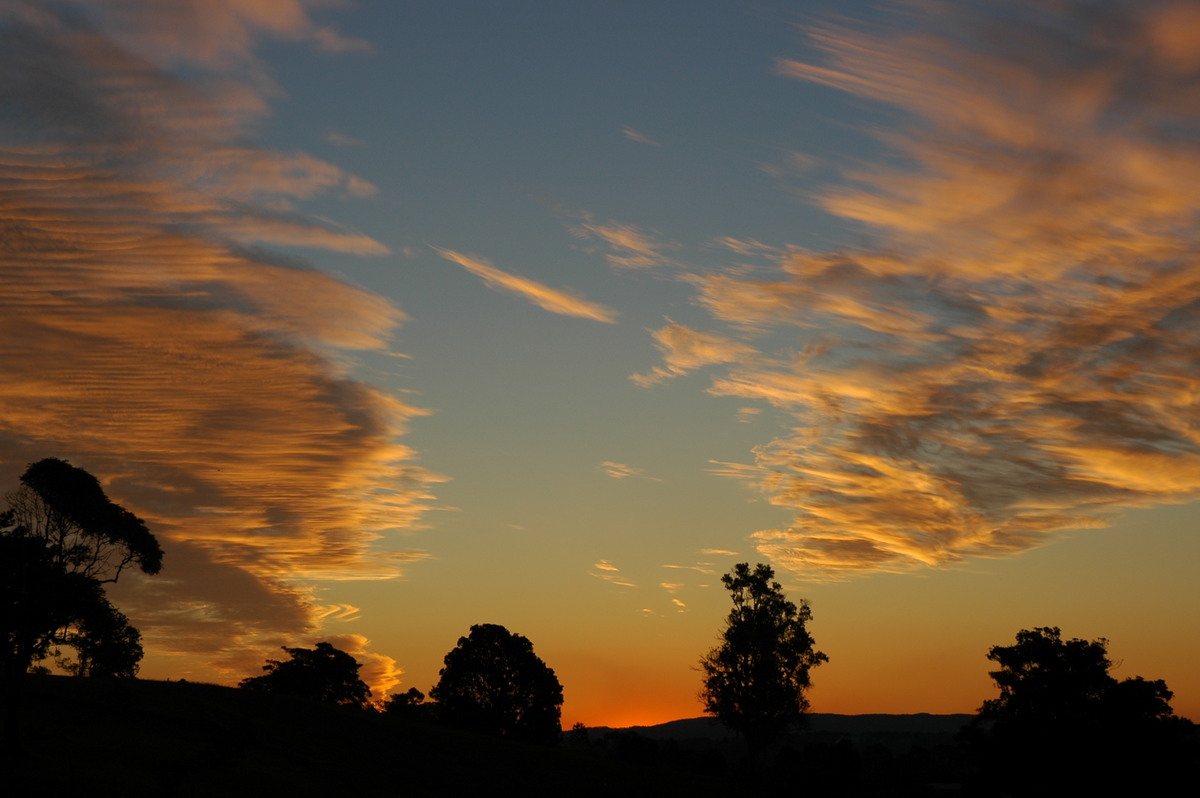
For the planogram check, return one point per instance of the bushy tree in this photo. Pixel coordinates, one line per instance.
(1063, 722)
(409, 704)
(1049, 683)
(755, 680)
(492, 682)
(323, 674)
(106, 645)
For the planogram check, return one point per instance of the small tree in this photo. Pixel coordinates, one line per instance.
(755, 680)
(323, 674)
(492, 682)
(106, 645)
(409, 704)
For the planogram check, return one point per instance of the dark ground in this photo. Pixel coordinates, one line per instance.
(82, 737)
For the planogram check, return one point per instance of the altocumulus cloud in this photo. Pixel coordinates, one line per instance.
(147, 337)
(1017, 356)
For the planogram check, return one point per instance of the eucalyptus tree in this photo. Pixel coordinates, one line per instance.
(61, 540)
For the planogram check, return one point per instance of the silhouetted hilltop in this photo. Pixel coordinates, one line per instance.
(892, 731)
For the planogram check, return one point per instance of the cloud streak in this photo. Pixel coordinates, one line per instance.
(608, 572)
(1017, 355)
(628, 247)
(546, 298)
(149, 337)
(623, 471)
(640, 138)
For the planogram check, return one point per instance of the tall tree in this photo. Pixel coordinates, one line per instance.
(61, 540)
(755, 680)
(323, 674)
(492, 682)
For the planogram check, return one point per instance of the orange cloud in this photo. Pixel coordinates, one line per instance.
(1017, 356)
(623, 471)
(628, 246)
(610, 573)
(543, 296)
(216, 33)
(685, 350)
(379, 671)
(150, 339)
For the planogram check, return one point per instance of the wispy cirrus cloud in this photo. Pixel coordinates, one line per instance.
(1017, 356)
(149, 337)
(546, 298)
(623, 471)
(340, 139)
(640, 138)
(625, 246)
(608, 572)
(685, 350)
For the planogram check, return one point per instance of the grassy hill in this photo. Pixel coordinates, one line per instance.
(147, 738)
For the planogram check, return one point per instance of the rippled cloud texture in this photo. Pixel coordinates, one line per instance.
(1017, 355)
(146, 336)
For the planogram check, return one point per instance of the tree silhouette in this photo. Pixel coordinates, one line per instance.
(409, 704)
(323, 674)
(84, 532)
(1062, 721)
(754, 681)
(61, 540)
(106, 644)
(492, 682)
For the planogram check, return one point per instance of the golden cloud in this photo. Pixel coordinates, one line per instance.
(610, 573)
(543, 296)
(1017, 356)
(685, 350)
(623, 471)
(628, 247)
(149, 338)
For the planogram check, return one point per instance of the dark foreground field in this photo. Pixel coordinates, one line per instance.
(143, 738)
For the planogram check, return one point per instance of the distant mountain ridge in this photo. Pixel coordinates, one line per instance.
(921, 726)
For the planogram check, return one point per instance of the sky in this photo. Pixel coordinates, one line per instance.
(394, 318)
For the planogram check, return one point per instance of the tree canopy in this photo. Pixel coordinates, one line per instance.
(1061, 715)
(492, 682)
(755, 680)
(84, 532)
(323, 673)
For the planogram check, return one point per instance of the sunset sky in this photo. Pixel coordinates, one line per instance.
(391, 318)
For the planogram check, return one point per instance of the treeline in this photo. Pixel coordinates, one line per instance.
(492, 683)
(1061, 723)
